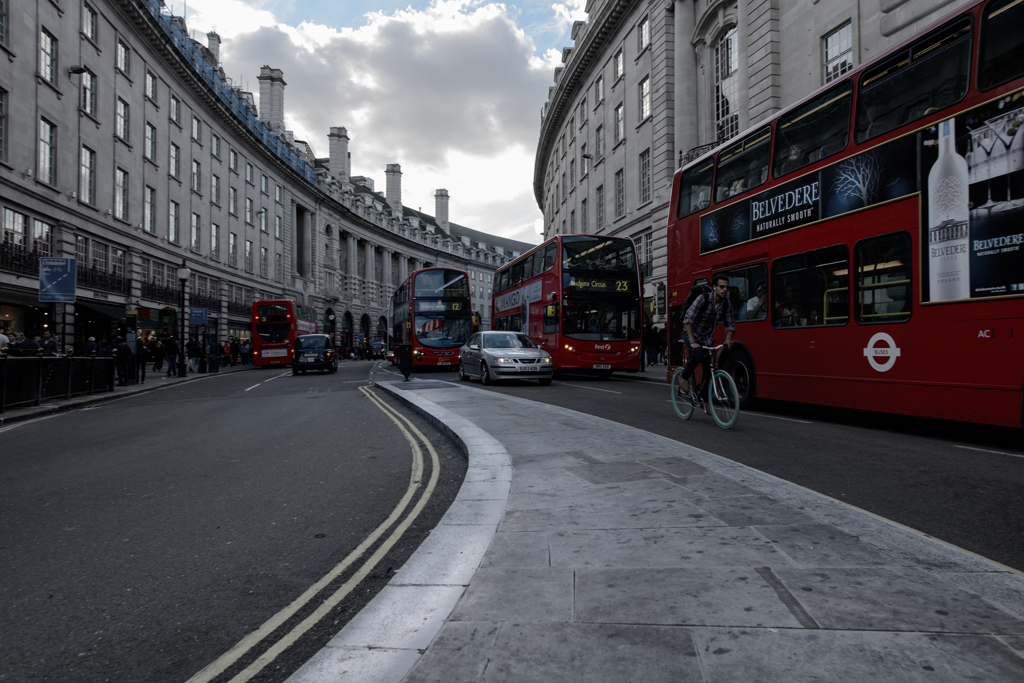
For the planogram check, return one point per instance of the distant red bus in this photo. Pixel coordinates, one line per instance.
(871, 233)
(579, 298)
(432, 311)
(275, 323)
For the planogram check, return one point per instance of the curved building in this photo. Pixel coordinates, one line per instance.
(646, 83)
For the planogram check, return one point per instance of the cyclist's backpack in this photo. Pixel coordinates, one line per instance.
(696, 291)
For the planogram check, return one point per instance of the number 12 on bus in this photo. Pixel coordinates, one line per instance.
(578, 297)
(275, 324)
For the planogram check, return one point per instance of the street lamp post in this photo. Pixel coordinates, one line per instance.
(183, 275)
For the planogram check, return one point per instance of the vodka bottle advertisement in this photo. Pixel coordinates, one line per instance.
(948, 227)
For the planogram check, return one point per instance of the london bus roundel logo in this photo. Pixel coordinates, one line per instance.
(883, 357)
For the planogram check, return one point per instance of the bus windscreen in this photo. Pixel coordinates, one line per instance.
(273, 333)
(443, 330)
(440, 282)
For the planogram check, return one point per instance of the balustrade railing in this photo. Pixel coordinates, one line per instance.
(165, 295)
(200, 301)
(236, 308)
(18, 258)
(94, 278)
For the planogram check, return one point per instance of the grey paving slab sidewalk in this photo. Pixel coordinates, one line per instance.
(596, 552)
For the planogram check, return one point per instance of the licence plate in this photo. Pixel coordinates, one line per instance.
(602, 366)
(444, 362)
(309, 355)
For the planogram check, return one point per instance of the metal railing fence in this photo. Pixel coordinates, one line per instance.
(30, 380)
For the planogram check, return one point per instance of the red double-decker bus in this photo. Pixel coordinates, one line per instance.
(275, 323)
(432, 311)
(579, 298)
(872, 233)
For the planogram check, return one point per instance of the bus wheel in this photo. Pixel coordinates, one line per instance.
(485, 376)
(741, 367)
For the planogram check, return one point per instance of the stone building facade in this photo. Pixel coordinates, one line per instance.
(645, 82)
(123, 144)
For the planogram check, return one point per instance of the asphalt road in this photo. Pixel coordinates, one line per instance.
(142, 539)
(958, 482)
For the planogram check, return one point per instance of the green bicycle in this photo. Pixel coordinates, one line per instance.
(724, 403)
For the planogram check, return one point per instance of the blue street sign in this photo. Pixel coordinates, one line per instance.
(197, 316)
(57, 279)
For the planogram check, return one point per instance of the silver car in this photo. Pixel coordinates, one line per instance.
(496, 355)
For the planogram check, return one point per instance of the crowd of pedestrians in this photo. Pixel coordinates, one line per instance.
(654, 344)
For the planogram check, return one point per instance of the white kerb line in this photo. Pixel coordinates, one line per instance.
(1012, 455)
(253, 387)
(580, 386)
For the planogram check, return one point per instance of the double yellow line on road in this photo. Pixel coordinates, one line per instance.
(229, 658)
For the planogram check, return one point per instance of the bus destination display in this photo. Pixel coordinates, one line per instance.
(601, 284)
(438, 306)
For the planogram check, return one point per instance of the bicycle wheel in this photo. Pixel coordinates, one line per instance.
(681, 399)
(725, 400)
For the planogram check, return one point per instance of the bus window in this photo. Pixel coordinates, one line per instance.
(538, 262)
(883, 279)
(501, 280)
(929, 76)
(748, 292)
(743, 165)
(816, 130)
(550, 253)
(695, 188)
(812, 288)
(517, 275)
(1002, 50)
(597, 253)
(551, 318)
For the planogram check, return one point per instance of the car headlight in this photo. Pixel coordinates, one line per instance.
(546, 360)
(499, 359)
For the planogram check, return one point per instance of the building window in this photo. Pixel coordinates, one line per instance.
(89, 93)
(620, 193)
(838, 52)
(248, 172)
(600, 208)
(214, 241)
(248, 210)
(151, 86)
(14, 228)
(263, 262)
(121, 126)
(583, 215)
(123, 58)
(645, 176)
(43, 238)
(87, 183)
(727, 121)
(148, 206)
(149, 149)
(172, 227)
(277, 226)
(233, 160)
(233, 250)
(48, 57)
(644, 92)
(584, 161)
(100, 256)
(572, 173)
(89, 23)
(121, 194)
(262, 213)
(81, 243)
(47, 152)
(618, 66)
(197, 176)
(572, 221)
(233, 201)
(215, 146)
(248, 256)
(565, 188)
(3, 123)
(175, 164)
(264, 184)
(599, 142)
(195, 232)
(278, 269)
(197, 129)
(215, 189)
(620, 125)
(599, 90)
(175, 110)
(643, 34)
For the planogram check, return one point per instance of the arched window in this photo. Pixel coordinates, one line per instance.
(727, 119)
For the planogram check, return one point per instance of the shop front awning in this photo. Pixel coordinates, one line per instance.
(115, 312)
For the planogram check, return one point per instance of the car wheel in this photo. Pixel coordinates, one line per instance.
(485, 376)
(545, 382)
(462, 373)
(295, 370)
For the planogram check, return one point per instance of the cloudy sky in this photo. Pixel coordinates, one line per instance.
(449, 89)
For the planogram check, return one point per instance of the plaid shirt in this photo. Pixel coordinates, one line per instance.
(704, 324)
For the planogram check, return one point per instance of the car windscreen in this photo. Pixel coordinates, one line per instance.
(510, 340)
(311, 342)
(273, 333)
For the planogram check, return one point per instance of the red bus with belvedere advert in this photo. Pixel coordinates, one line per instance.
(578, 297)
(872, 233)
(432, 311)
(275, 324)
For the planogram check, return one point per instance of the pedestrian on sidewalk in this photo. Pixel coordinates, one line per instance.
(662, 343)
(235, 348)
(172, 351)
(650, 343)
(155, 347)
(88, 348)
(122, 358)
(194, 352)
(50, 347)
(141, 359)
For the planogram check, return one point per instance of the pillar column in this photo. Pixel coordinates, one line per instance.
(686, 104)
(743, 70)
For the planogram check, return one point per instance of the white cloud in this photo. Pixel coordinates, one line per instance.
(452, 93)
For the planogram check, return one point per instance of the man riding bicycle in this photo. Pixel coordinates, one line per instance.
(699, 323)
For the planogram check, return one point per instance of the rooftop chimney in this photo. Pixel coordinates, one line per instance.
(393, 192)
(213, 42)
(441, 209)
(272, 97)
(338, 165)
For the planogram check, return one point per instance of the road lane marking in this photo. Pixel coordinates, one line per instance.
(776, 417)
(969, 448)
(229, 658)
(580, 386)
(253, 386)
